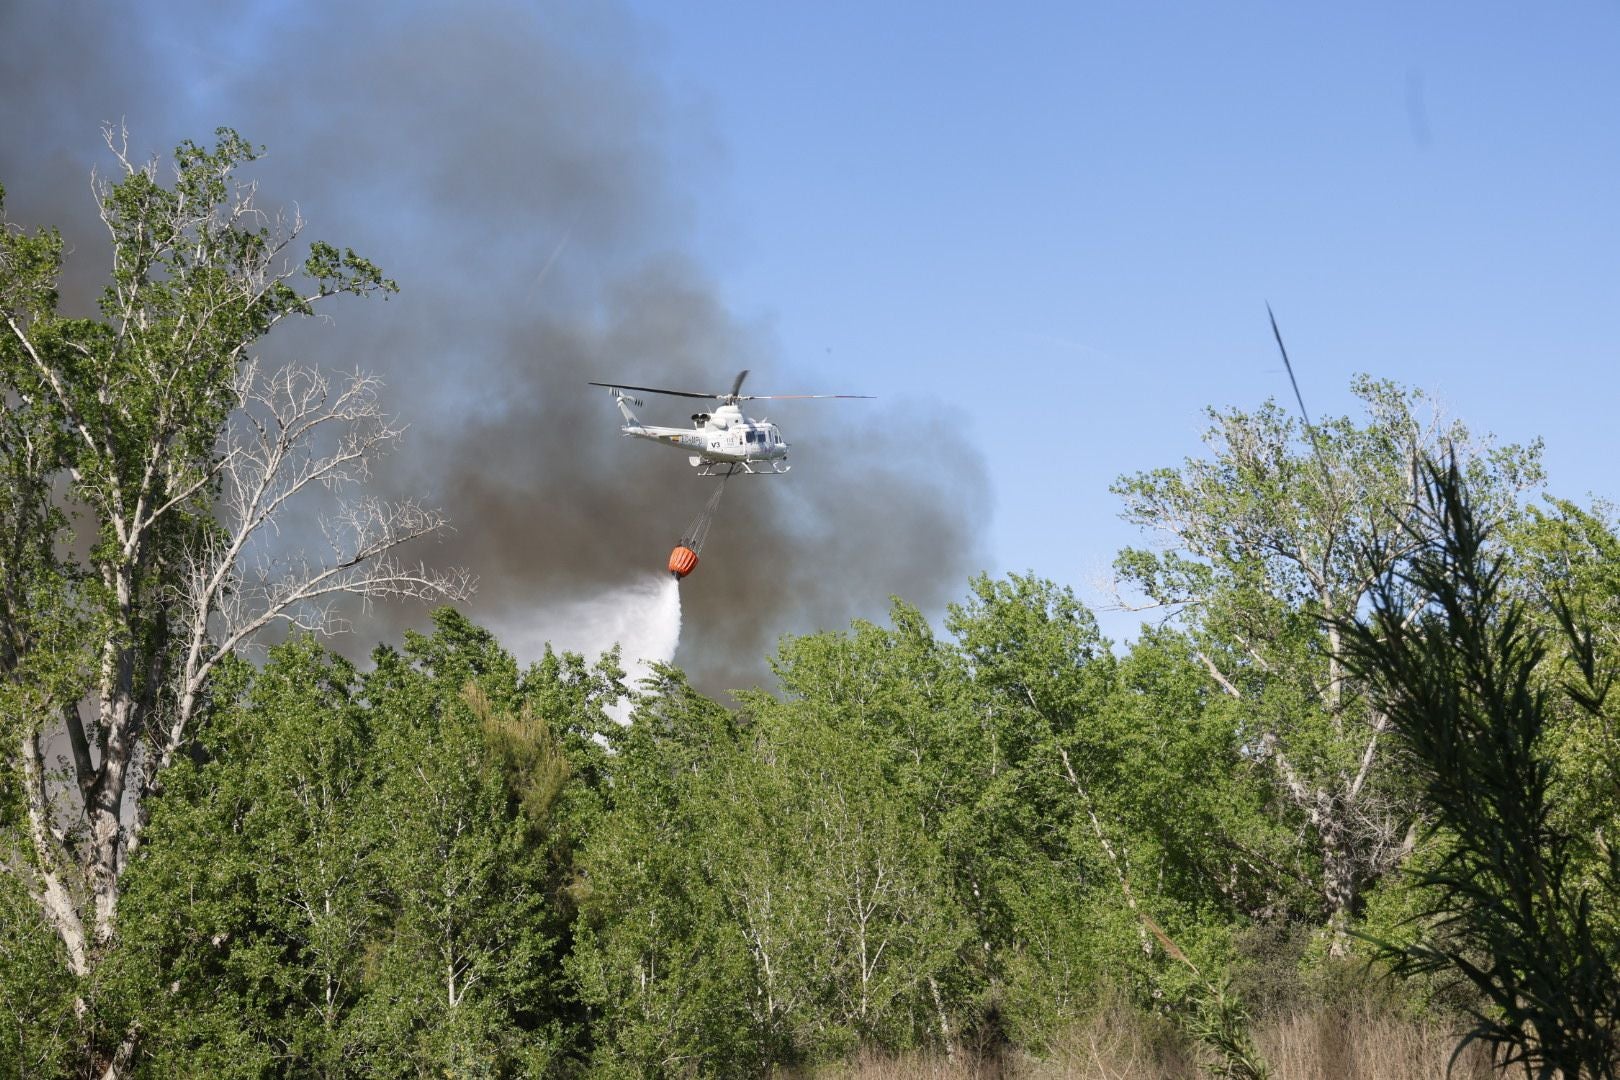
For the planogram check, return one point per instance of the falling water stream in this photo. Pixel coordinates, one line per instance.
(643, 618)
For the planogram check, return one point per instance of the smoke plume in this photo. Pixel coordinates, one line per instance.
(512, 166)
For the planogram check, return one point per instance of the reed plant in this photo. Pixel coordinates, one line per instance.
(1512, 905)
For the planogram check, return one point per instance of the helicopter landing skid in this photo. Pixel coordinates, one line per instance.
(726, 469)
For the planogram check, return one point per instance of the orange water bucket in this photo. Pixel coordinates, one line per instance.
(682, 561)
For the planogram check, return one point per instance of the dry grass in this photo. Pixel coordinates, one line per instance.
(1326, 1044)
(1330, 1045)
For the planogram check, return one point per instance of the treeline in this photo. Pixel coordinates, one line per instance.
(1367, 722)
(447, 865)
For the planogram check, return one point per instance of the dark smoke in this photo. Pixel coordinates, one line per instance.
(509, 166)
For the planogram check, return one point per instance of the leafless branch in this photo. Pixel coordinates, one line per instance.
(297, 432)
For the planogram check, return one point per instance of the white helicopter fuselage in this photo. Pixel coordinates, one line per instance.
(718, 443)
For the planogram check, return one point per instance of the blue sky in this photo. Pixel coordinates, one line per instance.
(1060, 223)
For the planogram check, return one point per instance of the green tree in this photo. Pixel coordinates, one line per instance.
(1186, 785)
(1269, 542)
(1143, 777)
(1566, 558)
(464, 976)
(246, 912)
(664, 972)
(833, 867)
(758, 894)
(362, 874)
(147, 460)
(1061, 786)
(955, 767)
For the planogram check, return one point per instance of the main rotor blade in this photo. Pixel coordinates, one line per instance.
(733, 396)
(656, 390)
(736, 386)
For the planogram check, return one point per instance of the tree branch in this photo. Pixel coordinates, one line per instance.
(49, 860)
(1226, 684)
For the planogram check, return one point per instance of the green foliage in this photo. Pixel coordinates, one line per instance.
(1062, 786)
(37, 1024)
(875, 928)
(757, 893)
(666, 977)
(252, 896)
(966, 773)
(364, 874)
(1502, 906)
(1567, 559)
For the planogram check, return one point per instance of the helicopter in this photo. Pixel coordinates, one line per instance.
(722, 442)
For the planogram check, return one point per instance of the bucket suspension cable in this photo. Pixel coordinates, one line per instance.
(698, 530)
(684, 559)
